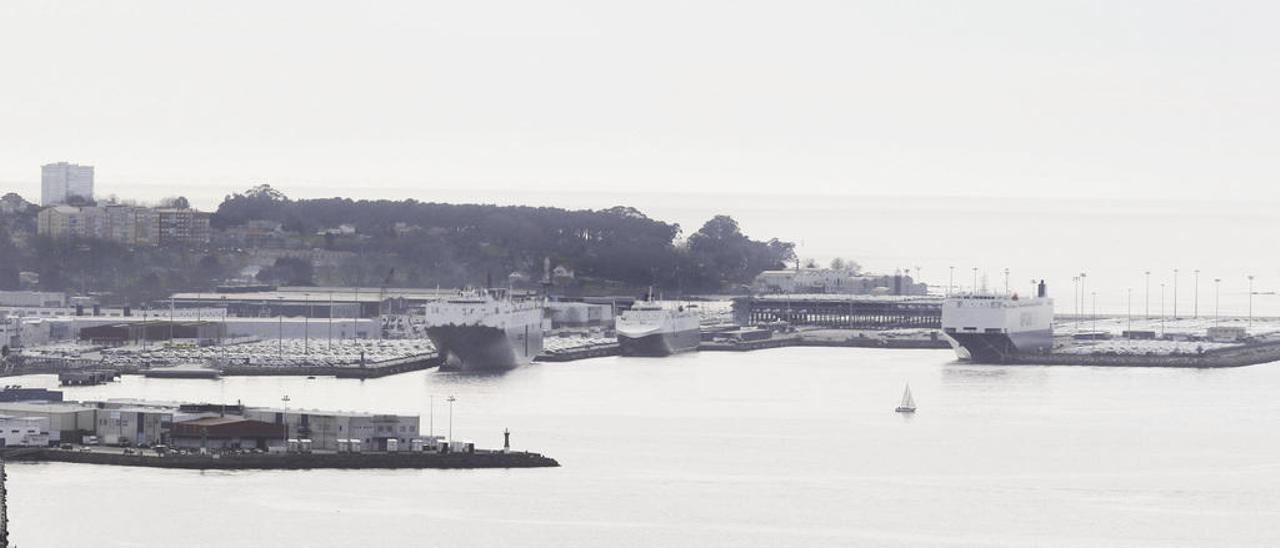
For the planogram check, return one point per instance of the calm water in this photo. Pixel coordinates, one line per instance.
(787, 447)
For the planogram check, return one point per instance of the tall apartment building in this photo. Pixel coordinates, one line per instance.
(61, 181)
(182, 226)
(125, 224)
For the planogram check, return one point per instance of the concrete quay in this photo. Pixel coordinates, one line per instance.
(1236, 356)
(292, 461)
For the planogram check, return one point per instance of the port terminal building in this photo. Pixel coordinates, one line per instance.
(840, 311)
(312, 301)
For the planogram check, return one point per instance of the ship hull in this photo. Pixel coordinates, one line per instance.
(658, 344)
(483, 348)
(1000, 347)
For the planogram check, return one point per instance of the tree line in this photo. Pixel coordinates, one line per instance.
(407, 243)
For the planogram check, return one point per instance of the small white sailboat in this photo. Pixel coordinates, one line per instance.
(908, 404)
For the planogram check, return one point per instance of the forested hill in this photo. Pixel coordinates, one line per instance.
(455, 244)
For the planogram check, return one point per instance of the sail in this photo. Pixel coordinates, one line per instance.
(907, 401)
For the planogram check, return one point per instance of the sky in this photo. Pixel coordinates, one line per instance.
(1012, 99)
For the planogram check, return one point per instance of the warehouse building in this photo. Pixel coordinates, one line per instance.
(220, 433)
(67, 420)
(325, 428)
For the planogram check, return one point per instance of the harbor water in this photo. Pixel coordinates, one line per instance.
(782, 447)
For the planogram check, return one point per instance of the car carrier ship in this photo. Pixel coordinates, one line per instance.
(657, 328)
(485, 330)
(999, 328)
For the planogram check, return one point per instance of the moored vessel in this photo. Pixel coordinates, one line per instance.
(657, 328)
(998, 328)
(485, 330)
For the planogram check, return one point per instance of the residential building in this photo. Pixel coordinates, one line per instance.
(125, 224)
(824, 280)
(182, 226)
(61, 181)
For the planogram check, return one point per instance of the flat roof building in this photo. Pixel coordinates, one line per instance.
(61, 181)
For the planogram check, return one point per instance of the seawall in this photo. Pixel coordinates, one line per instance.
(293, 461)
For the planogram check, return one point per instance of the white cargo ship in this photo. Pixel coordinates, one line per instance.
(656, 328)
(485, 330)
(996, 328)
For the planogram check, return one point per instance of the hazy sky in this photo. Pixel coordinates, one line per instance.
(1005, 98)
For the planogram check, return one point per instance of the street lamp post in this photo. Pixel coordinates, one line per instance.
(284, 419)
(1082, 283)
(1162, 310)
(1250, 302)
(280, 325)
(951, 279)
(1093, 310)
(1006, 281)
(1195, 310)
(1075, 295)
(1217, 285)
(1128, 308)
(451, 400)
(1175, 293)
(306, 327)
(1146, 308)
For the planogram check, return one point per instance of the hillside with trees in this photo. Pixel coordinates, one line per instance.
(401, 243)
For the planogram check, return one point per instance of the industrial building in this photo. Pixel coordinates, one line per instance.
(840, 311)
(67, 420)
(18, 393)
(325, 428)
(16, 431)
(132, 425)
(33, 299)
(311, 302)
(574, 314)
(223, 433)
(121, 333)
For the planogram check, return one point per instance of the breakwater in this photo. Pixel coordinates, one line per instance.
(1236, 356)
(292, 461)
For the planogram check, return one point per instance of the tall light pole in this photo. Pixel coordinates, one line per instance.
(1161, 309)
(951, 279)
(975, 280)
(1128, 308)
(1216, 286)
(1175, 293)
(1006, 281)
(306, 326)
(1195, 310)
(1250, 301)
(451, 400)
(1082, 280)
(284, 419)
(1075, 295)
(1093, 312)
(1146, 309)
(280, 324)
